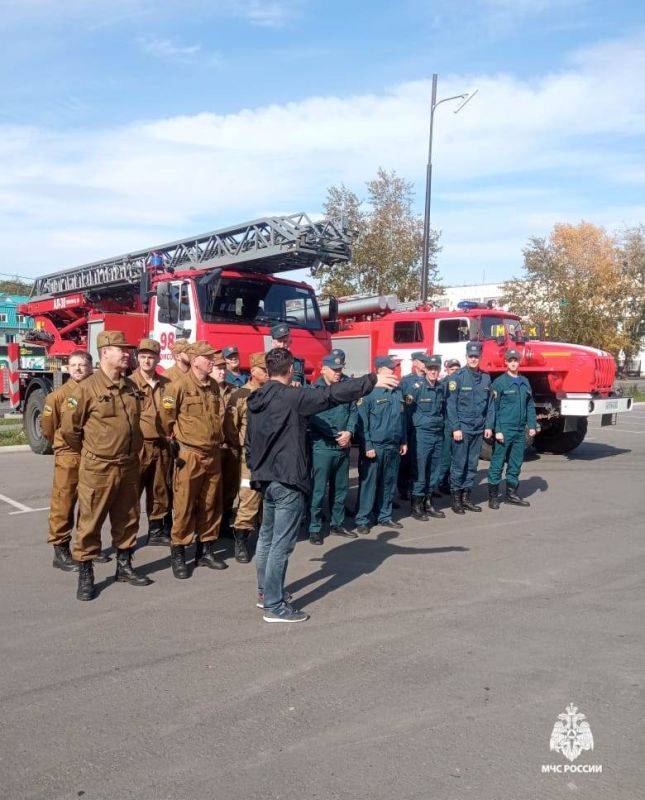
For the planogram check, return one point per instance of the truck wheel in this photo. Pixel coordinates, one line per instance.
(555, 440)
(31, 423)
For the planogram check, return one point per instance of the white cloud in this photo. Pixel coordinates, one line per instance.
(84, 194)
(168, 50)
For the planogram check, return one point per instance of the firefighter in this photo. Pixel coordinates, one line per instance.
(234, 375)
(418, 370)
(331, 434)
(191, 413)
(101, 422)
(383, 440)
(182, 363)
(471, 414)
(514, 410)
(66, 462)
(425, 412)
(281, 337)
(235, 423)
(451, 365)
(230, 460)
(154, 458)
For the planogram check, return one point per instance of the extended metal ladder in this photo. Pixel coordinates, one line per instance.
(271, 244)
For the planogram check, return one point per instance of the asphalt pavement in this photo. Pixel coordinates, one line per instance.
(435, 664)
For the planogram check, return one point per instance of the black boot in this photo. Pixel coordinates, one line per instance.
(63, 558)
(513, 498)
(316, 537)
(102, 558)
(125, 573)
(157, 533)
(431, 511)
(467, 502)
(178, 561)
(493, 499)
(205, 556)
(241, 551)
(416, 507)
(85, 589)
(457, 506)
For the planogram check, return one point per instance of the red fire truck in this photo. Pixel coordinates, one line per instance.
(570, 382)
(221, 286)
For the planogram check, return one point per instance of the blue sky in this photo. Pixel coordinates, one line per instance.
(131, 122)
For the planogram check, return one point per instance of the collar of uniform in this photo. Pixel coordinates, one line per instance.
(209, 384)
(138, 378)
(108, 382)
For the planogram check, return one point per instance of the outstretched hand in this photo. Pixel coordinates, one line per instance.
(387, 381)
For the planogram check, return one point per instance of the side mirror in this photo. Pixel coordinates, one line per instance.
(163, 302)
(331, 323)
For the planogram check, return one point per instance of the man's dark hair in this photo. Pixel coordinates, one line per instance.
(81, 354)
(279, 361)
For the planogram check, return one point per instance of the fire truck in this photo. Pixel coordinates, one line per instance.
(570, 382)
(221, 286)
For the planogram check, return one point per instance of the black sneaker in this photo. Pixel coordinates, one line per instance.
(390, 523)
(285, 613)
(260, 603)
(341, 530)
(316, 537)
(363, 530)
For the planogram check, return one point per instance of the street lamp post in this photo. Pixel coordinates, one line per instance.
(434, 103)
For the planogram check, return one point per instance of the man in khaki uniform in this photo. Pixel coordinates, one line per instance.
(249, 501)
(191, 413)
(66, 462)
(154, 458)
(230, 460)
(101, 423)
(182, 362)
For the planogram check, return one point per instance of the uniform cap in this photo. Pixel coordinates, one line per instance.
(279, 330)
(452, 362)
(338, 352)
(432, 362)
(419, 355)
(512, 353)
(218, 359)
(202, 348)
(335, 362)
(258, 360)
(474, 349)
(230, 351)
(385, 361)
(150, 346)
(180, 346)
(112, 338)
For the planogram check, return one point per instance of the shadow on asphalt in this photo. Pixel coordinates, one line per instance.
(590, 451)
(351, 560)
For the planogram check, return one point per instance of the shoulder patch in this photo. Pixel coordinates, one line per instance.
(452, 385)
(72, 402)
(47, 411)
(168, 401)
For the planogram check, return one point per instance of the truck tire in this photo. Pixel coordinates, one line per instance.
(555, 440)
(31, 423)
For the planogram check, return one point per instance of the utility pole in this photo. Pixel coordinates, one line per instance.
(466, 96)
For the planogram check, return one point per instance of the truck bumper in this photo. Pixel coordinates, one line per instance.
(589, 406)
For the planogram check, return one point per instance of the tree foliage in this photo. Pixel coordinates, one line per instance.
(14, 286)
(388, 241)
(582, 286)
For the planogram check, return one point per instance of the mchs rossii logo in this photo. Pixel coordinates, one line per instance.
(571, 735)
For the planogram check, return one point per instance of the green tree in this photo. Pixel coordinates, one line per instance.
(575, 285)
(387, 243)
(15, 286)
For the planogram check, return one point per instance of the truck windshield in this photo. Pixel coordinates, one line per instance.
(492, 327)
(258, 302)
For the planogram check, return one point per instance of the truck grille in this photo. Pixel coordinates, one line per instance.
(604, 374)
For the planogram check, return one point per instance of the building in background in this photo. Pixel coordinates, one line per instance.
(13, 325)
(476, 292)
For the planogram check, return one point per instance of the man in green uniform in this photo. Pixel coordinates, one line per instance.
(417, 373)
(281, 338)
(234, 374)
(383, 440)
(66, 462)
(471, 414)
(102, 424)
(331, 434)
(425, 412)
(514, 411)
(451, 365)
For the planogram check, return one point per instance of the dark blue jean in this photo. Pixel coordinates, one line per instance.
(282, 511)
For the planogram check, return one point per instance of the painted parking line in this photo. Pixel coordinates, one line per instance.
(22, 508)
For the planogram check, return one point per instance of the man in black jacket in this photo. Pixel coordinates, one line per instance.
(278, 460)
